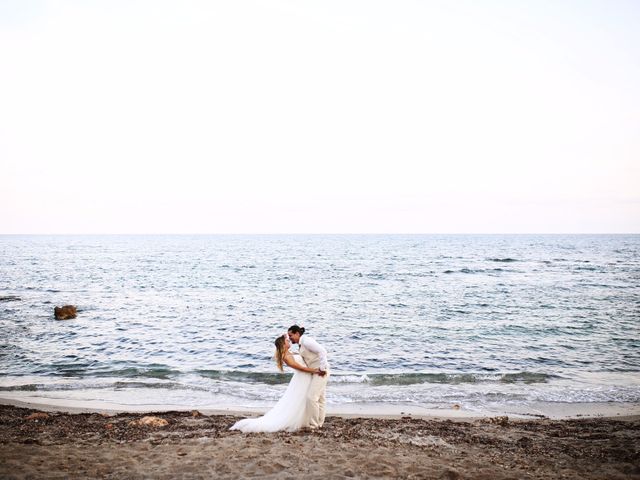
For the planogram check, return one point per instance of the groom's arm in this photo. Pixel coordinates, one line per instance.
(315, 347)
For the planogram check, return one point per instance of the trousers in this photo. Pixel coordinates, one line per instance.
(316, 402)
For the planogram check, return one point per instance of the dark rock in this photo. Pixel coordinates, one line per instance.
(66, 312)
(502, 421)
(524, 442)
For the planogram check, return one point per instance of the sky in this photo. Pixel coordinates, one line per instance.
(319, 116)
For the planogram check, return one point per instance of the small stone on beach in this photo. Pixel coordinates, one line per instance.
(502, 421)
(149, 421)
(37, 416)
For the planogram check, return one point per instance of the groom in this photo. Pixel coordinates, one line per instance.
(315, 356)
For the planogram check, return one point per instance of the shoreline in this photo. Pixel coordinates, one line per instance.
(372, 410)
(190, 444)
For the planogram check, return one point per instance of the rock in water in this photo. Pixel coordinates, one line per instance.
(65, 313)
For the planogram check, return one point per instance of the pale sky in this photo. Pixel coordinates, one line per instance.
(320, 117)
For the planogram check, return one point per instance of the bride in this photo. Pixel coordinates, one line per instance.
(290, 411)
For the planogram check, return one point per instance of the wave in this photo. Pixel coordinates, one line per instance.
(9, 298)
(126, 377)
(253, 384)
(380, 379)
(471, 396)
(88, 370)
(260, 388)
(28, 387)
(246, 377)
(479, 270)
(457, 378)
(134, 372)
(106, 385)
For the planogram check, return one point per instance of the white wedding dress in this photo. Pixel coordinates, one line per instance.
(289, 413)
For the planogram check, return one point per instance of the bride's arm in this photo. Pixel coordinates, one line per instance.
(288, 359)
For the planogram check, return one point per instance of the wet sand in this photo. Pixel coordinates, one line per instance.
(193, 445)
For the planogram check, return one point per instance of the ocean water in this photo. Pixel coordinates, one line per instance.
(482, 321)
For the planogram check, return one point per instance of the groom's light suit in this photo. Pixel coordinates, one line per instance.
(315, 356)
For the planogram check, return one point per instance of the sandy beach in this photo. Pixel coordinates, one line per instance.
(36, 444)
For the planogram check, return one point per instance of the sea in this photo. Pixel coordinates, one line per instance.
(473, 322)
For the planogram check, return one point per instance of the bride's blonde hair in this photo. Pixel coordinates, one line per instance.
(281, 351)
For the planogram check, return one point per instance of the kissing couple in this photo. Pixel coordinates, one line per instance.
(303, 404)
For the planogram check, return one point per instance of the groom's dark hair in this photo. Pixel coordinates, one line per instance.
(296, 329)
